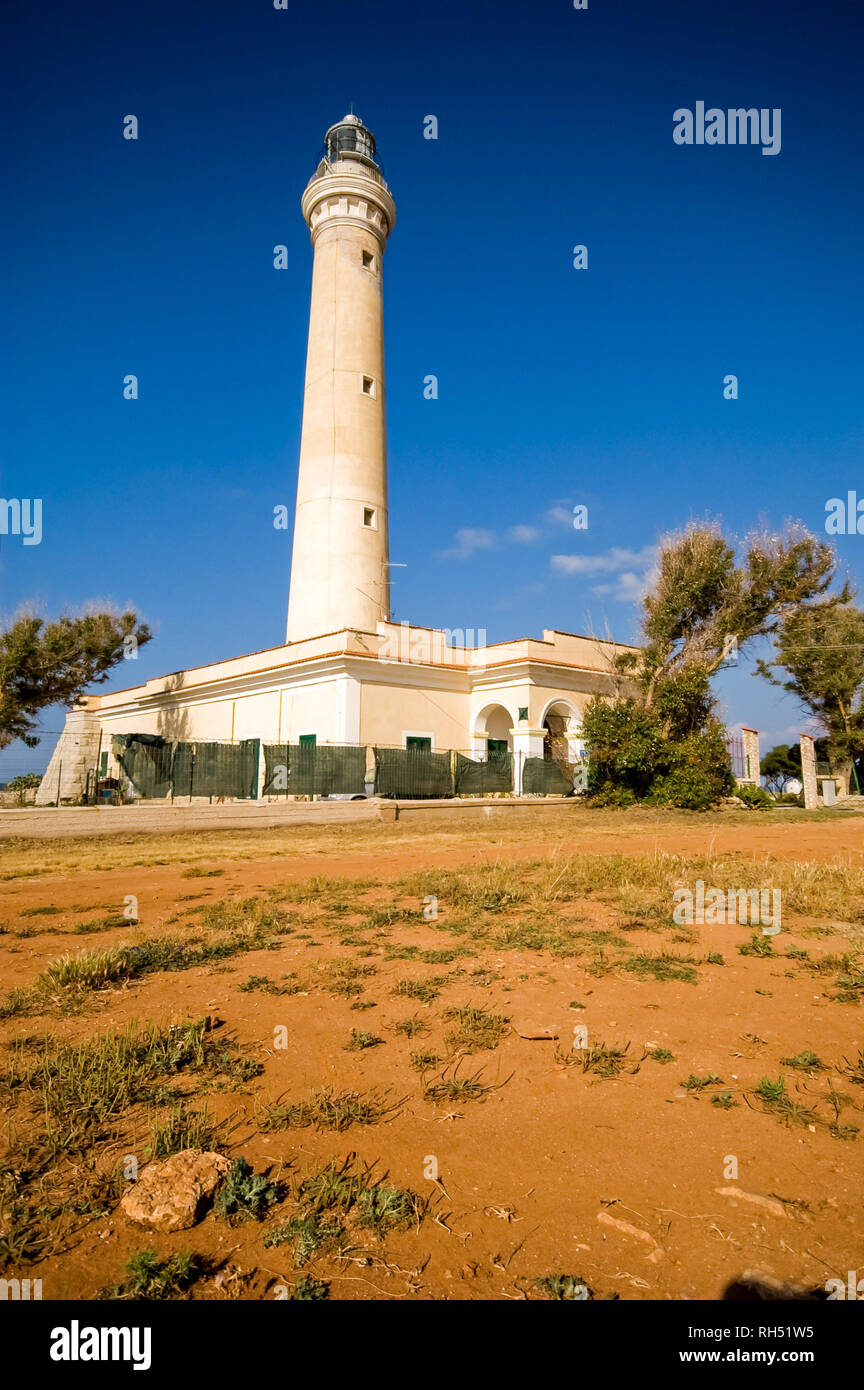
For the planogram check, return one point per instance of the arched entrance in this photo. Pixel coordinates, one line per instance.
(562, 728)
(491, 732)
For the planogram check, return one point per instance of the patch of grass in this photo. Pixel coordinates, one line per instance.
(38, 911)
(775, 1098)
(245, 925)
(661, 1054)
(423, 1061)
(854, 1070)
(264, 985)
(457, 1088)
(476, 1030)
(80, 1088)
(359, 1041)
(599, 1059)
(699, 1083)
(148, 1277)
(308, 1290)
(308, 1234)
(328, 1108)
(564, 1288)
(383, 1208)
(183, 1129)
(423, 990)
(724, 1100)
(202, 873)
(411, 1027)
(243, 1195)
(758, 945)
(662, 968)
(341, 1193)
(804, 1061)
(343, 977)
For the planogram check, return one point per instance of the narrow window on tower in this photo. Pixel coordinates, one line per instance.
(370, 518)
(368, 386)
(368, 260)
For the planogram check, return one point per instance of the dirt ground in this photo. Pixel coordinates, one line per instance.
(640, 1176)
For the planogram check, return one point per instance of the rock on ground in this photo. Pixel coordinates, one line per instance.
(173, 1194)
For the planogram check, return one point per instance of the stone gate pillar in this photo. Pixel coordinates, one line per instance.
(750, 748)
(808, 772)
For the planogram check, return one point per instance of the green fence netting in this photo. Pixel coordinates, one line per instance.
(412, 773)
(294, 769)
(157, 768)
(477, 778)
(544, 777)
(216, 769)
(146, 761)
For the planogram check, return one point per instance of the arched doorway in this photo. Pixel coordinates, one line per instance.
(492, 731)
(562, 727)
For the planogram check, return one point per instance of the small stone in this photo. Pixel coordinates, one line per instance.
(625, 1228)
(536, 1032)
(173, 1194)
(768, 1204)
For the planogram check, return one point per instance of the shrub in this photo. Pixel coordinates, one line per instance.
(754, 798)
(635, 756)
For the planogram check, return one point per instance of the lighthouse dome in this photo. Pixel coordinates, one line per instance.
(350, 137)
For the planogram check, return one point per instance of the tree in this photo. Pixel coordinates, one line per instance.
(47, 663)
(782, 764)
(820, 650)
(662, 740)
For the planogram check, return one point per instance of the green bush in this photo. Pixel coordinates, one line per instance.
(754, 798)
(635, 757)
(24, 781)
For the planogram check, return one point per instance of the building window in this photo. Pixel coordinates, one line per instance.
(368, 260)
(308, 740)
(495, 747)
(370, 518)
(418, 742)
(103, 763)
(523, 712)
(368, 386)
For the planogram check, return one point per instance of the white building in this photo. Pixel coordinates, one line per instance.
(346, 674)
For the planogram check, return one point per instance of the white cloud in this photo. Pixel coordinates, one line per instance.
(523, 535)
(559, 515)
(610, 562)
(469, 539)
(628, 587)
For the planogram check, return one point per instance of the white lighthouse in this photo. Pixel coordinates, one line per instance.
(340, 577)
(346, 677)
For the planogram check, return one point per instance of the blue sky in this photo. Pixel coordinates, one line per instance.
(556, 386)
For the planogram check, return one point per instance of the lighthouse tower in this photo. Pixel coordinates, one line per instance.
(340, 576)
